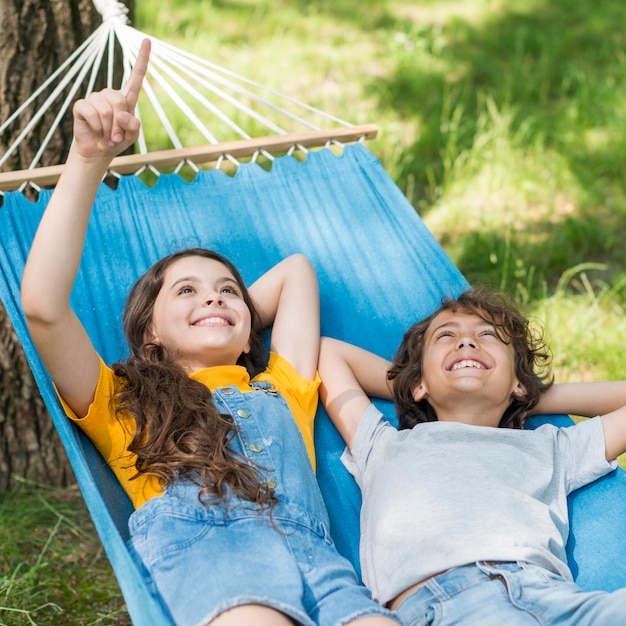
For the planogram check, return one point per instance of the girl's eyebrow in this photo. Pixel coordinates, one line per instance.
(196, 279)
(182, 280)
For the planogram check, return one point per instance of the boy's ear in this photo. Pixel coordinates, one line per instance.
(419, 392)
(519, 390)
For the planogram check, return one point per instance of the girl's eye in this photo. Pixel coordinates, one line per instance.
(231, 290)
(186, 289)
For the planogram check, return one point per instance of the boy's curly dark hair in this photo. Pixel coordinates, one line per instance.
(532, 357)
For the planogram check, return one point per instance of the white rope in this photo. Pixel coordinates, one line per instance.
(48, 81)
(173, 94)
(184, 64)
(111, 10)
(200, 63)
(187, 163)
(158, 62)
(297, 146)
(164, 119)
(79, 69)
(191, 84)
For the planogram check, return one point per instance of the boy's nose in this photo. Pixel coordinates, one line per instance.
(467, 342)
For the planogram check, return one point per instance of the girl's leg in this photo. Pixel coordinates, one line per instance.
(253, 614)
(373, 620)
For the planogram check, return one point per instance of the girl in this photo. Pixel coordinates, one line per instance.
(464, 517)
(208, 436)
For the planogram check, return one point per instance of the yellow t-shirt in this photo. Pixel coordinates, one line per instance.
(112, 436)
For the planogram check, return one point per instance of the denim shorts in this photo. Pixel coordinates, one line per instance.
(202, 561)
(515, 594)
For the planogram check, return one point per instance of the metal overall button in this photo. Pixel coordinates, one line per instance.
(244, 413)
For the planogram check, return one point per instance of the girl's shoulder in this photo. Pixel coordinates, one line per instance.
(282, 374)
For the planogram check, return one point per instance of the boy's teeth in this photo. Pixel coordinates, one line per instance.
(467, 363)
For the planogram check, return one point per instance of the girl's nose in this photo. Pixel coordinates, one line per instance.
(215, 298)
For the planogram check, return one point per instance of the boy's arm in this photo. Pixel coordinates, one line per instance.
(349, 375)
(584, 399)
(103, 127)
(287, 296)
(614, 424)
(607, 399)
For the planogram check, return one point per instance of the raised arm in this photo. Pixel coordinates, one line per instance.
(349, 375)
(103, 126)
(287, 296)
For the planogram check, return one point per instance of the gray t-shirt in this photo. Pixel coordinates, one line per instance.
(445, 494)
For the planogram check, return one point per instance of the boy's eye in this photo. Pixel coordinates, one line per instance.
(491, 332)
(445, 333)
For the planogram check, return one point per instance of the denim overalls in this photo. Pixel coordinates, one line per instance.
(203, 560)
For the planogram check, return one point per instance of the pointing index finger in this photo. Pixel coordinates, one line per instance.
(133, 84)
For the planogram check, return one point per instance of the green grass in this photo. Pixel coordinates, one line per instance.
(52, 566)
(503, 124)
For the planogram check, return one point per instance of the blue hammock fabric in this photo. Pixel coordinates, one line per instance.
(379, 269)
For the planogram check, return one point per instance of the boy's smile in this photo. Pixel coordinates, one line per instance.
(464, 363)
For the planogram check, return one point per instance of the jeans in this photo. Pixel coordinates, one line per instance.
(511, 594)
(203, 560)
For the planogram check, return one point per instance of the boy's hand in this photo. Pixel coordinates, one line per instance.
(104, 123)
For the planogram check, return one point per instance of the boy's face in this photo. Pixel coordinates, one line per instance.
(468, 371)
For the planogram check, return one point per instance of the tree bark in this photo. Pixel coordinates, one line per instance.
(29, 445)
(36, 36)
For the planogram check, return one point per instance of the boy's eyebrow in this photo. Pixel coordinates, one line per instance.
(450, 323)
(456, 324)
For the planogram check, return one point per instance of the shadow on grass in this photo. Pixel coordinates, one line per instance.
(560, 68)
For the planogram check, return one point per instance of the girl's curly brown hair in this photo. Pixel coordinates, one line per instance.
(179, 433)
(532, 357)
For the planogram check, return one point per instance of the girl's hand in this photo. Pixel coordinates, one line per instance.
(104, 123)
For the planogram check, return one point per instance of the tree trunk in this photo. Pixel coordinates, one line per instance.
(36, 36)
(29, 445)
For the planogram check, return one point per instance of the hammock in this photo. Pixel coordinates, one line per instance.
(379, 270)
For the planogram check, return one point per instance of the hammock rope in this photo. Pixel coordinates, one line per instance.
(208, 97)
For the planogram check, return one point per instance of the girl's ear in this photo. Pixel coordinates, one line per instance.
(149, 336)
(419, 392)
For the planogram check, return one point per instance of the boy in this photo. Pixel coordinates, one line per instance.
(464, 516)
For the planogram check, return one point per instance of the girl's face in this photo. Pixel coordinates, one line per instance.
(467, 365)
(200, 315)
